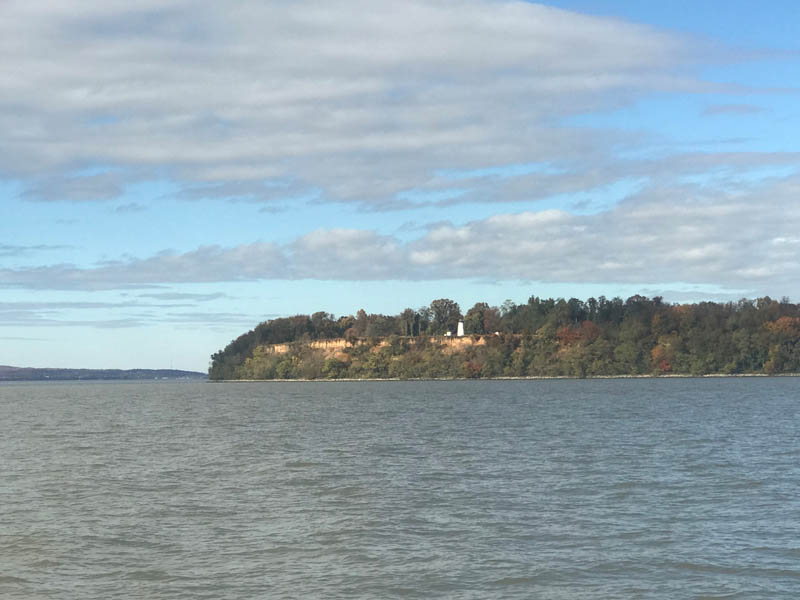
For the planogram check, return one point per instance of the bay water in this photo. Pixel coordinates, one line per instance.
(552, 489)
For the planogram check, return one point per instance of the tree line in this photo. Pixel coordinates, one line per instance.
(542, 337)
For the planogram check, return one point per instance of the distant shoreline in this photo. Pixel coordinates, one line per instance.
(8, 373)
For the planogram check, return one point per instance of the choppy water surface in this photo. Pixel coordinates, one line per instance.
(505, 489)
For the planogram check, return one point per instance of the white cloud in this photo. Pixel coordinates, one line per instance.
(737, 241)
(348, 253)
(731, 109)
(360, 101)
(81, 188)
(205, 264)
(10, 250)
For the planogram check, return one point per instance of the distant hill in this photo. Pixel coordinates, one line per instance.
(30, 374)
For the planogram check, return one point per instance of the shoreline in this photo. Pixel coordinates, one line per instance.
(523, 378)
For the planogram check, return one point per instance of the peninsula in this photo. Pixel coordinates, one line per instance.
(540, 338)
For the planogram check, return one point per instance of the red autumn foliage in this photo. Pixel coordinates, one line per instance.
(659, 357)
(785, 325)
(567, 335)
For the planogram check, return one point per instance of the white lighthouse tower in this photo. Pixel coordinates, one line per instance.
(460, 330)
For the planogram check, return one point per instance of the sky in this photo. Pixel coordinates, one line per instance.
(172, 173)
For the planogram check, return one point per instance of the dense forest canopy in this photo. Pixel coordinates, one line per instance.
(543, 337)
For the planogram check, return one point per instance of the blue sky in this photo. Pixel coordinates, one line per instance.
(174, 172)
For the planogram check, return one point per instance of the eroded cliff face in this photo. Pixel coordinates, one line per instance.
(330, 346)
(336, 347)
(369, 358)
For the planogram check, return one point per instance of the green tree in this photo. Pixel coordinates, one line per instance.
(446, 315)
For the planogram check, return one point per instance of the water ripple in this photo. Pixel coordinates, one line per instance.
(517, 489)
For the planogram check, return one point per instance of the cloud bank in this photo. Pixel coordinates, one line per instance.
(354, 102)
(653, 237)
